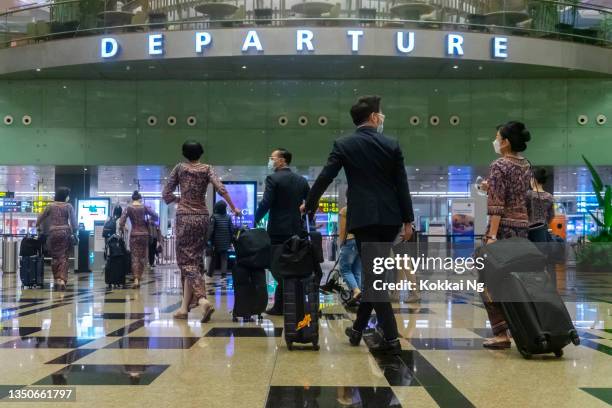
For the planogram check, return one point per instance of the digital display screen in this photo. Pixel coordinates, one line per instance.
(90, 210)
(9, 205)
(244, 196)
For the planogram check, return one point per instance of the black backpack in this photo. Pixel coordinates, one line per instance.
(110, 228)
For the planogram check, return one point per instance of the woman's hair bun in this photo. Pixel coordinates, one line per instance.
(517, 134)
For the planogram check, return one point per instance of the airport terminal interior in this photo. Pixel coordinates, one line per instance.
(99, 96)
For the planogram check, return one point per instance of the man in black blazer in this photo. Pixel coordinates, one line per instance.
(378, 200)
(285, 192)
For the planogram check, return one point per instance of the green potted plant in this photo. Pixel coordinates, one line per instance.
(595, 255)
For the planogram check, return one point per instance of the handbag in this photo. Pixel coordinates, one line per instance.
(538, 232)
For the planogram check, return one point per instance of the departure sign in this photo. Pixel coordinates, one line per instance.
(11, 206)
(7, 194)
(328, 206)
(39, 206)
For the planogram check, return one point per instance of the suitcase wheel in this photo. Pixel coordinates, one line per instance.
(290, 345)
(526, 355)
(259, 317)
(234, 319)
(558, 353)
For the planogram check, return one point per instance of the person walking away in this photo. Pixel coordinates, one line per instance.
(540, 203)
(59, 220)
(349, 260)
(155, 242)
(378, 201)
(140, 215)
(285, 191)
(507, 185)
(191, 224)
(110, 226)
(221, 233)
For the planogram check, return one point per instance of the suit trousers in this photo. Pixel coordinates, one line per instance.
(384, 311)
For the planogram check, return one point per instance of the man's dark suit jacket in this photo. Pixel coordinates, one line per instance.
(285, 192)
(378, 192)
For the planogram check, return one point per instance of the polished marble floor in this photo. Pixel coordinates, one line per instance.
(121, 348)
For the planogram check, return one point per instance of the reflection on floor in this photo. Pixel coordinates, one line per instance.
(122, 348)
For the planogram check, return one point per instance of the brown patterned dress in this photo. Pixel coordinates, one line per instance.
(139, 216)
(509, 180)
(191, 220)
(61, 224)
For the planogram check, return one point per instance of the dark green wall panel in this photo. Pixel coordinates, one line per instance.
(116, 144)
(111, 104)
(162, 146)
(595, 144)
(237, 147)
(63, 104)
(105, 122)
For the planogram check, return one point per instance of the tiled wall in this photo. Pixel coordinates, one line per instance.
(105, 122)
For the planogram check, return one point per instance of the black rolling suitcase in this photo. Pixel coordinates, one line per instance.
(250, 292)
(298, 264)
(537, 317)
(301, 311)
(253, 252)
(515, 275)
(117, 262)
(31, 271)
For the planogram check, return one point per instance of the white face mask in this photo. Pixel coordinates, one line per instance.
(496, 146)
(270, 164)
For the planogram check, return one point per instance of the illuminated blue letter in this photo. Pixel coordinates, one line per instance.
(304, 37)
(405, 49)
(156, 44)
(252, 40)
(355, 34)
(454, 45)
(108, 47)
(202, 40)
(500, 47)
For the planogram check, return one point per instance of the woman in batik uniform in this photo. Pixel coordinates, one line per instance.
(61, 225)
(140, 216)
(507, 185)
(192, 219)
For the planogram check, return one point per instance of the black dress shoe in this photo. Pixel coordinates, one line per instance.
(353, 335)
(274, 312)
(386, 347)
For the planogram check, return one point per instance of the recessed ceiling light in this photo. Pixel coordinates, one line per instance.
(244, 67)
(574, 173)
(151, 66)
(418, 169)
(127, 68)
(37, 69)
(147, 169)
(480, 68)
(455, 66)
(362, 67)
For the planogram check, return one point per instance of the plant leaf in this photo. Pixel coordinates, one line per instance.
(600, 199)
(597, 220)
(607, 211)
(597, 183)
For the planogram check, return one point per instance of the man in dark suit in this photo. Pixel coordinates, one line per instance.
(378, 200)
(285, 192)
